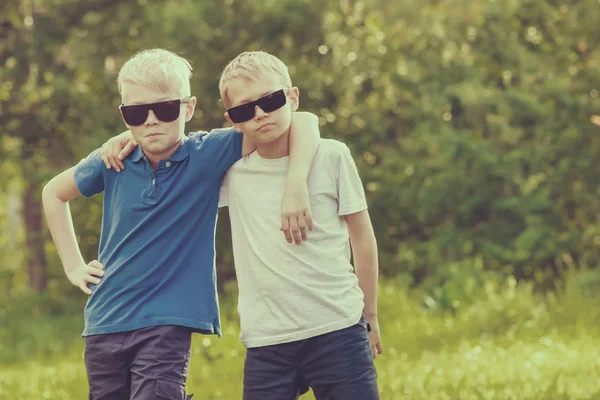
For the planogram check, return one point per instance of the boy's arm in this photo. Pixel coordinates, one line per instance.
(55, 197)
(295, 206)
(366, 265)
(116, 149)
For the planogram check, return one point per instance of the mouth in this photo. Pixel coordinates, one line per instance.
(265, 127)
(154, 134)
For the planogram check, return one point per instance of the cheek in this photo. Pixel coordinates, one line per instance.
(285, 117)
(247, 128)
(136, 132)
(176, 126)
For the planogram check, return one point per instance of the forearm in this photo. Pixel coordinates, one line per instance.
(366, 265)
(303, 143)
(60, 224)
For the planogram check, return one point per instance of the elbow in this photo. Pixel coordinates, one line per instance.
(50, 193)
(315, 122)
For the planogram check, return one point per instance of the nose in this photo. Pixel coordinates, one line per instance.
(151, 120)
(259, 113)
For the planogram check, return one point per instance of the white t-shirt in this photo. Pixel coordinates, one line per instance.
(290, 292)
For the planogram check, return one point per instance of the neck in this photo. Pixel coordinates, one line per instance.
(278, 148)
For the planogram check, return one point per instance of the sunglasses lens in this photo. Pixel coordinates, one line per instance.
(242, 113)
(135, 115)
(269, 103)
(272, 102)
(167, 111)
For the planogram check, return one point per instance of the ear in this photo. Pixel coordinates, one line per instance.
(228, 118)
(190, 107)
(121, 112)
(294, 96)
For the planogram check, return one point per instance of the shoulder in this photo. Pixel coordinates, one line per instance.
(92, 162)
(332, 150)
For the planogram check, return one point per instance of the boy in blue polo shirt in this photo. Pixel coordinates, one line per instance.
(154, 281)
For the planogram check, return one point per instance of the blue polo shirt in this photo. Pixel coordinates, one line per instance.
(158, 236)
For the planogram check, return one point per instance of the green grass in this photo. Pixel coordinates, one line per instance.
(508, 344)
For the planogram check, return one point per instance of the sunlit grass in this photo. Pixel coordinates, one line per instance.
(509, 344)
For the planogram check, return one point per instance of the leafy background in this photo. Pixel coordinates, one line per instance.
(469, 122)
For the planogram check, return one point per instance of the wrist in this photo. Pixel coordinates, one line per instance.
(294, 178)
(71, 267)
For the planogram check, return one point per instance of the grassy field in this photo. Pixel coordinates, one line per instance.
(509, 343)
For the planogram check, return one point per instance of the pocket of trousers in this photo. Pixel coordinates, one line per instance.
(169, 388)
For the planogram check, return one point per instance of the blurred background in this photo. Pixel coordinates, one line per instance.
(472, 125)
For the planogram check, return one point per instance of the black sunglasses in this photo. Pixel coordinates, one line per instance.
(166, 111)
(269, 103)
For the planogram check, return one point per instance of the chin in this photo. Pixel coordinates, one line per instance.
(155, 148)
(268, 137)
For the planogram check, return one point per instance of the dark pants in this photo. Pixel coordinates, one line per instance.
(148, 363)
(337, 366)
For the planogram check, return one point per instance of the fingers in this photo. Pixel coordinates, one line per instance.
(302, 227)
(91, 279)
(309, 220)
(84, 288)
(113, 152)
(95, 268)
(85, 274)
(103, 155)
(129, 147)
(285, 228)
(119, 162)
(303, 234)
(376, 349)
(112, 160)
(295, 229)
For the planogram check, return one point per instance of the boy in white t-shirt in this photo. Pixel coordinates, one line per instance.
(308, 317)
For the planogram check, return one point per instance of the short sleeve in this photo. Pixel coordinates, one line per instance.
(351, 194)
(89, 174)
(223, 147)
(224, 193)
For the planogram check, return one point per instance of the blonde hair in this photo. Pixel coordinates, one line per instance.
(157, 69)
(248, 66)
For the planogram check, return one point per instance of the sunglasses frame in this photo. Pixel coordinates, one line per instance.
(152, 106)
(252, 105)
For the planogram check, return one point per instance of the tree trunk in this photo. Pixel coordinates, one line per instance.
(34, 237)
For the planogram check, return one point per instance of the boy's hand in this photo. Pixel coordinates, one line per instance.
(117, 149)
(85, 274)
(595, 119)
(375, 337)
(295, 211)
